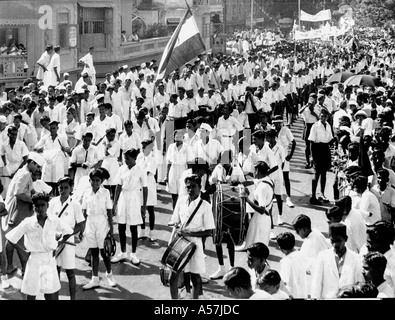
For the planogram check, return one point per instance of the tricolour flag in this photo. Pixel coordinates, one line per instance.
(184, 45)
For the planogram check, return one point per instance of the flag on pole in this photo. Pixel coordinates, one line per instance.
(184, 45)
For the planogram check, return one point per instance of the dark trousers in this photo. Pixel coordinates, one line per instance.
(253, 120)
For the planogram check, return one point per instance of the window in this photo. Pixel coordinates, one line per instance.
(95, 25)
(93, 21)
(63, 29)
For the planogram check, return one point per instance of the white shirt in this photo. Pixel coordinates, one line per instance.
(228, 127)
(356, 230)
(313, 245)
(265, 154)
(209, 151)
(98, 203)
(321, 134)
(293, 270)
(14, 157)
(369, 205)
(203, 219)
(179, 156)
(337, 116)
(71, 215)
(130, 142)
(285, 137)
(39, 239)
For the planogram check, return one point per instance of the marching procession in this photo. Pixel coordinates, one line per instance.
(82, 164)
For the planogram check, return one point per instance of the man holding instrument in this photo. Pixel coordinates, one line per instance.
(197, 221)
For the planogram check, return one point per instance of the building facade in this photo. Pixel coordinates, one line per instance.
(74, 25)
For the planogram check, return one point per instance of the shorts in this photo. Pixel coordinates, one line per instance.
(66, 259)
(96, 231)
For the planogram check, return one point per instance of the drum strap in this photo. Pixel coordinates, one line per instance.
(193, 214)
(63, 209)
(272, 186)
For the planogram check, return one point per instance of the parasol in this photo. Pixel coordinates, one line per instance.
(362, 80)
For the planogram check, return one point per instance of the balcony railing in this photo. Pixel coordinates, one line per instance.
(145, 46)
(13, 67)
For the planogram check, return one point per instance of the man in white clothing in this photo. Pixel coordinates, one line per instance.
(314, 241)
(229, 128)
(374, 265)
(206, 148)
(53, 76)
(293, 267)
(43, 63)
(335, 267)
(89, 68)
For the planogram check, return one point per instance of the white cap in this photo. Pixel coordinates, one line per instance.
(80, 91)
(359, 90)
(361, 113)
(206, 127)
(61, 87)
(3, 119)
(26, 96)
(37, 158)
(66, 74)
(43, 89)
(143, 65)
(125, 66)
(99, 96)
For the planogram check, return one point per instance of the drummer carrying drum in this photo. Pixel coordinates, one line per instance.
(201, 225)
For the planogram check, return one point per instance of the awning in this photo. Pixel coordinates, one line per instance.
(17, 13)
(95, 4)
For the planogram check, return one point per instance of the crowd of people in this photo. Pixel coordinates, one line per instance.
(79, 158)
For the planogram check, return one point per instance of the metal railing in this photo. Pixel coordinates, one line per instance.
(12, 67)
(145, 46)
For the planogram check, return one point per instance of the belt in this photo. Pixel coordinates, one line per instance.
(227, 136)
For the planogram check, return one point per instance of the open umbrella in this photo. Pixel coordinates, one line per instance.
(362, 80)
(339, 77)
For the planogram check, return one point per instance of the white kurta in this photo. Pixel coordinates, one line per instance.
(260, 224)
(53, 168)
(90, 68)
(44, 60)
(293, 269)
(50, 78)
(326, 280)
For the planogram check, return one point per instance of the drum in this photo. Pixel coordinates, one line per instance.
(178, 253)
(231, 219)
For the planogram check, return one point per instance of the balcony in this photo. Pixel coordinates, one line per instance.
(208, 5)
(13, 67)
(143, 47)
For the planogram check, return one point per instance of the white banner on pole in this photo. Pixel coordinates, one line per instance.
(323, 15)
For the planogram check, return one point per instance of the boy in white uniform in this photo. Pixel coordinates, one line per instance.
(69, 211)
(40, 231)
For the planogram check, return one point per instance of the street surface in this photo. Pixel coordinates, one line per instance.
(143, 282)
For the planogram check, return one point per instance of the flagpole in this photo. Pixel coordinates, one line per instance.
(299, 12)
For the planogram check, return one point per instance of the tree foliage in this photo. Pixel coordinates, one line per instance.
(375, 13)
